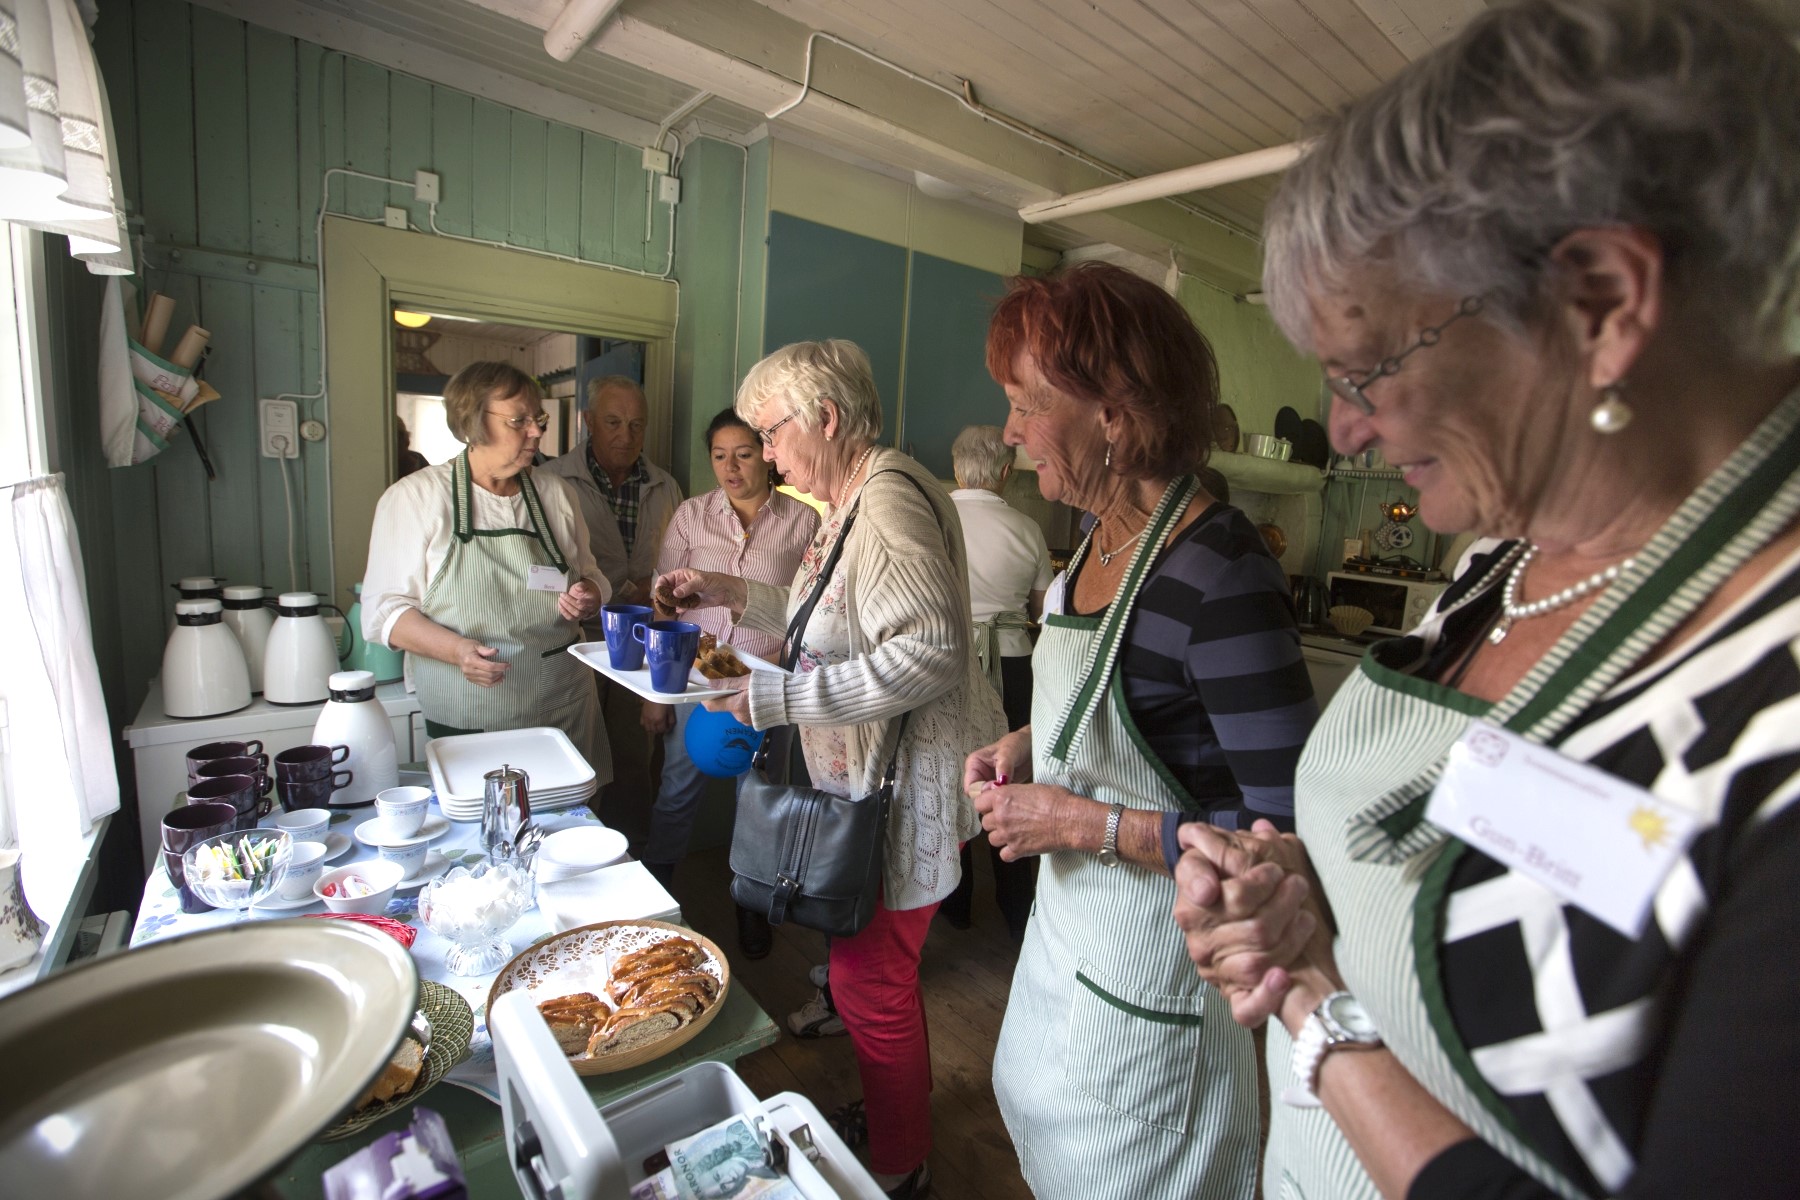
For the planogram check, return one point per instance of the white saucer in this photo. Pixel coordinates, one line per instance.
(276, 901)
(430, 869)
(434, 827)
(337, 843)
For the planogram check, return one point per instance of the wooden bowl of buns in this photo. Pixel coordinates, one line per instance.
(619, 994)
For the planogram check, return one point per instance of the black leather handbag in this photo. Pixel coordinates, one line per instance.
(802, 855)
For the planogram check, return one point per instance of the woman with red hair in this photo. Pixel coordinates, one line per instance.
(1167, 687)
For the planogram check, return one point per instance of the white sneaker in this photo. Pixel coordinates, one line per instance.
(819, 974)
(815, 1020)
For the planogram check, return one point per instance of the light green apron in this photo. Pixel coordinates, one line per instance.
(480, 592)
(1376, 755)
(1121, 1076)
(987, 644)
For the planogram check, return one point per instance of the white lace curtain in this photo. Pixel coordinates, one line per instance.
(58, 158)
(60, 771)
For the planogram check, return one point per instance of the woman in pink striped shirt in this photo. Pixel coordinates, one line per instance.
(743, 527)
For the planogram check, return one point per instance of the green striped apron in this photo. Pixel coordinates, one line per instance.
(1378, 751)
(480, 592)
(1121, 1076)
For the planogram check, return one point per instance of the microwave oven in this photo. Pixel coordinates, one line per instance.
(1398, 604)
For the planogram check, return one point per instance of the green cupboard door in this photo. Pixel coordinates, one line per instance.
(826, 283)
(947, 383)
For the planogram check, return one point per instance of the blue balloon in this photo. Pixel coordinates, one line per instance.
(719, 744)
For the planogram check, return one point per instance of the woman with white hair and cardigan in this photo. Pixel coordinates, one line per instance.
(1537, 935)
(1009, 570)
(888, 640)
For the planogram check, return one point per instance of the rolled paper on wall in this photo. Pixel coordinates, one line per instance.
(193, 343)
(156, 322)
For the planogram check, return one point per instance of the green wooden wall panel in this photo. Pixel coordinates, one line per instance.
(366, 138)
(754, 223)
(221, 132)
(530, 143)
(562, 191)
(631, 247)
(276, 201)
(1259, 371)
(452, 156)
(826, 283)
(165, 102)
(312, 471)
(409, 140)
(186, 547)
(230, 427)
(947, 384)
(598, 156)
(330, 120)
(706, 262)
(281, 317)
(309, 149)
(492, 189)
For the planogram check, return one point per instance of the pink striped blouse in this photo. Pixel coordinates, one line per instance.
(705, 534)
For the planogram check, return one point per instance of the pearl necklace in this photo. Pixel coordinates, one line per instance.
(1106, 558)
(857, 470)
(1511, 612)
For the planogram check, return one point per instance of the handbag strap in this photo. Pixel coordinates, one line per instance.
(797, 626)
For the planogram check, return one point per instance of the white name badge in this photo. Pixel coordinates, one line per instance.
(1594, 840)
(542, 577)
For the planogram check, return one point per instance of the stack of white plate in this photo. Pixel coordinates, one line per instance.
(559, 777)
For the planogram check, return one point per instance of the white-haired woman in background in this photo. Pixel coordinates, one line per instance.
(1009, 570)
(1551, 272)
(888, 639)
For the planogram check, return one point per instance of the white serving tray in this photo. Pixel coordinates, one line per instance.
(699, 688)
(460, 762)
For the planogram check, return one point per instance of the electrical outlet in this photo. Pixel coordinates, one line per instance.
(394, 217)
(278, 424)
(668, 189)
(426, 187)
(656, 160)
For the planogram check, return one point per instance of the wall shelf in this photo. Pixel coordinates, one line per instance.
(1248, 472)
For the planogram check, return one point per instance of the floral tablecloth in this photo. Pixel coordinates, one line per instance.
(160, 916)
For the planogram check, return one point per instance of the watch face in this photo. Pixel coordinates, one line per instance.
(1343, 1009)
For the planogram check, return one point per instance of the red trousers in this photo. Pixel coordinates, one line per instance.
(875, 986)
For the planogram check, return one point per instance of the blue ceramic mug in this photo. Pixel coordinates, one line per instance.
(623, 647)
(669, 646)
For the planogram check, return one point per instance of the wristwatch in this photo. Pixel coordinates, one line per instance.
(1339, 1023)
(1109, 845)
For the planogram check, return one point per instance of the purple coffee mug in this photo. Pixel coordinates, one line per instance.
(239, 791)
(184, 827)
(243, 764)
(199, 756)
(311, 793)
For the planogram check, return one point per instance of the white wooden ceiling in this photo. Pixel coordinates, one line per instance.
(1140, 86)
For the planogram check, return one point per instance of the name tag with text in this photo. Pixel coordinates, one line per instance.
(543, 577)
(1592, 839)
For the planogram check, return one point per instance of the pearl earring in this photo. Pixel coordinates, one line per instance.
(1612, 413)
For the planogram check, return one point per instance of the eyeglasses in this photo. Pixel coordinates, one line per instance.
(542, 420)
(1350, 391)
(768, 435)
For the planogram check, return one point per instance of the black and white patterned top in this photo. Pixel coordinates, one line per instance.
(1668, 1065)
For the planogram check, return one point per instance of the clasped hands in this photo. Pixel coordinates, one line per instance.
(1254, 919)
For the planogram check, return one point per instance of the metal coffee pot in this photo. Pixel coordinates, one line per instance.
(505, 807)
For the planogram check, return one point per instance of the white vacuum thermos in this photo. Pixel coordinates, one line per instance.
(301, 656)
(203, 668)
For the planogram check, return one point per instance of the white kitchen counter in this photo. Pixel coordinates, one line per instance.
(160, 743)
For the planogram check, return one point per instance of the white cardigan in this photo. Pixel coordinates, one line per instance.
(907, 598)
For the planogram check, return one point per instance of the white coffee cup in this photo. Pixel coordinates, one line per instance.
(400, 811)
(305, 824)
(408, 858)
(305, 863)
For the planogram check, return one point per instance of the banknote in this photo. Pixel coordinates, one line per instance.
(727, 1162)
(660, 1186)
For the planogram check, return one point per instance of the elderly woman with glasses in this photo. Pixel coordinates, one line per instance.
(1536, 936)
(480, 570)
(888, 639)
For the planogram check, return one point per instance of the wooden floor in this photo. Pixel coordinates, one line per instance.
(966, 976)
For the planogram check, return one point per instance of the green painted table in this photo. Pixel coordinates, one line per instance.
(476, 1126)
